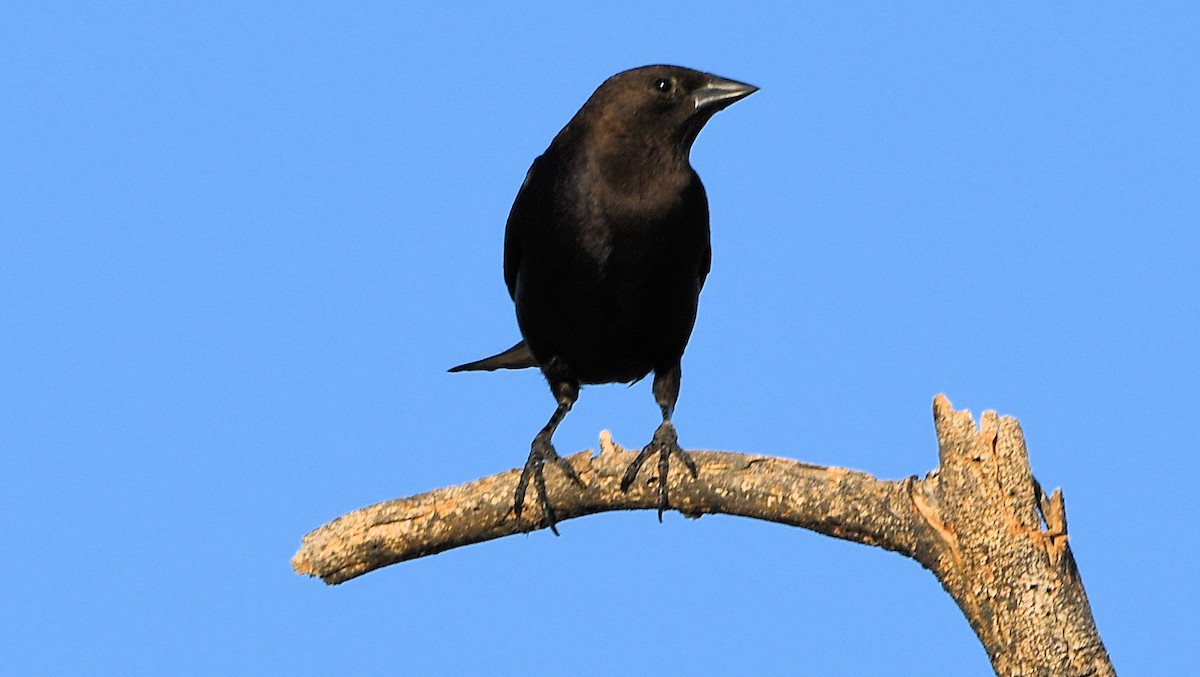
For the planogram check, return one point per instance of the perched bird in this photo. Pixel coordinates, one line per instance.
(606, 250)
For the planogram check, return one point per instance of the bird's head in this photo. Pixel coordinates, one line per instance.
(659, 105)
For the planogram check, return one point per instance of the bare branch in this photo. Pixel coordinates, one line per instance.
(976, 522)
(827, 500)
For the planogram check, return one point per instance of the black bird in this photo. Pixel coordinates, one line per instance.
(606, 250)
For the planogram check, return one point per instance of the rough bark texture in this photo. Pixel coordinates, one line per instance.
(979, 522)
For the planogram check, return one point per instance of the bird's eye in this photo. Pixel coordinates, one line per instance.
(663, 85)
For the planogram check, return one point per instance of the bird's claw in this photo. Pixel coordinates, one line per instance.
(666, 443)
(539, 453)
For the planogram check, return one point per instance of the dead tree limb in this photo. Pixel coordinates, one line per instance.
(979, 522)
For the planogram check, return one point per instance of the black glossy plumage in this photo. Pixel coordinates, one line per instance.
(607, 248)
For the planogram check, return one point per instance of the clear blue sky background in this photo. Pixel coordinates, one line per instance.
(240, 245)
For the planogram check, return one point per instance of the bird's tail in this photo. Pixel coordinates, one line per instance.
(516, 357)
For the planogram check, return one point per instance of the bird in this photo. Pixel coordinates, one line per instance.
(606, 249)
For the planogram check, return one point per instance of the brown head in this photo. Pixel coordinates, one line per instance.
(651, 114)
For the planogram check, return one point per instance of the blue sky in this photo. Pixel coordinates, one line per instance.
(242, 243)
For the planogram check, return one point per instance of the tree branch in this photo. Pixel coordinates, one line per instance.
(976, 522)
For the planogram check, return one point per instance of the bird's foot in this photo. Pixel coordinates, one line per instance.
(540, 452)
(666, 443)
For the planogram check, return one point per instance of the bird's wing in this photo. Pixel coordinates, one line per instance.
(518, 229)
(700, 202)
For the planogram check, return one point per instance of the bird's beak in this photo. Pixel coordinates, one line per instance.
(719, 93)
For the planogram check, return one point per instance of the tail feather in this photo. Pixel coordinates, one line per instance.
(516, 357)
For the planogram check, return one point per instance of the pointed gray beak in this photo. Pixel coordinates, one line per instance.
(719, 93)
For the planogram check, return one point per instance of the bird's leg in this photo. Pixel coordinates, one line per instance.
(541, 451)
(665, 441)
